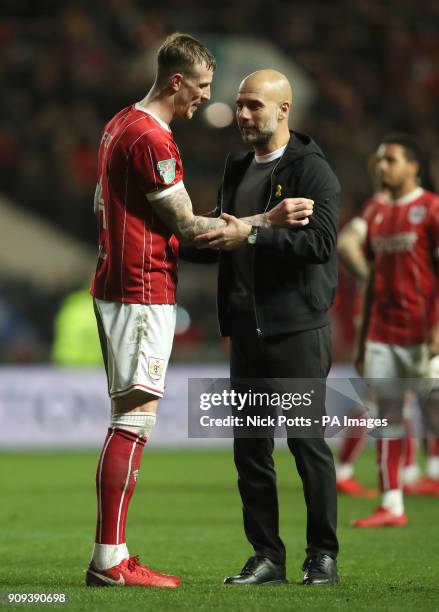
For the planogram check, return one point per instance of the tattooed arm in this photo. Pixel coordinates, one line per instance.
(176, 212)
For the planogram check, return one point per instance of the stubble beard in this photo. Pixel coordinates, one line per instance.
(257, 139)
(262, 135)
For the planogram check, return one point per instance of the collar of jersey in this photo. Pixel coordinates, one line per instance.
(269, 157)
(165, 126)
(408, 198)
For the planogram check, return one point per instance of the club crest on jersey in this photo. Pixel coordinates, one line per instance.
(155, 367)
(166, 168)
(417, 214)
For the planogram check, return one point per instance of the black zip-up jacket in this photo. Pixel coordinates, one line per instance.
(294, 270)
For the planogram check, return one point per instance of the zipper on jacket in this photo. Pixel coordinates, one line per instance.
(221, 210)
(222, 182)
(259, 331)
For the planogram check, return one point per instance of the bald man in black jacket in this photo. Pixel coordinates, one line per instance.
(275, 287)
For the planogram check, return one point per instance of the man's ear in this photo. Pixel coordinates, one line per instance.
(284, 109)
(175, 81)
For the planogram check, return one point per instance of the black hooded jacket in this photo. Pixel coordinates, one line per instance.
(294, 270)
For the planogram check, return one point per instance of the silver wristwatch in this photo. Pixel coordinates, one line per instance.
(251, 238)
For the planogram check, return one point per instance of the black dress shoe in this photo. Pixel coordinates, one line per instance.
(259, 570)
(320, 569)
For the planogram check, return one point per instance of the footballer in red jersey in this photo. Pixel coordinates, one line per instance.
(139, 163)
(351, 246)
(144, 210)
(402, 244)
(134, 287)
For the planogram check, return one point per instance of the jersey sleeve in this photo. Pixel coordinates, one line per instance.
(368, 211)
(158, 167)
(358, 225)
(360, 222)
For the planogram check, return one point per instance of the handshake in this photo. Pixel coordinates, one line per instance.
(289, 213)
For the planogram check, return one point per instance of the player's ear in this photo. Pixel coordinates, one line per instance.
(176, 81)
(284, 109)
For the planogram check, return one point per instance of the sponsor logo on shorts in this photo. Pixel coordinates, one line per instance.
(166, 168)
(155, 367)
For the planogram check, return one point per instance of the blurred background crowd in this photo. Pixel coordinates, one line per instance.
(370, 66)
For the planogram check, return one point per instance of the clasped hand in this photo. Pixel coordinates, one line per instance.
(289, 213)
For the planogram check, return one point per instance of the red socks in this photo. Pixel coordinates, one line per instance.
(115, 482)
(432, 447)
(351, 448)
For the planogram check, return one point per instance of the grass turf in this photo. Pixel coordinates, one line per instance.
(186, 519)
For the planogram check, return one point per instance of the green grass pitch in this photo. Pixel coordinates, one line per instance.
(186, 519)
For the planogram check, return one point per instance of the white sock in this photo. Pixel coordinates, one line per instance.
(140, 423)
(433, 467)
(109, 555)
(410, 474)
(344, 471)
(393, 501)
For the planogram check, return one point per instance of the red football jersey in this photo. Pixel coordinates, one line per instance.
(403, 242)
(138, 163)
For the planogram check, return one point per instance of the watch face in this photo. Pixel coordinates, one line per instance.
(252, 236)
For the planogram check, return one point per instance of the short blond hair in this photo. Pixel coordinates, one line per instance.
(180, 53)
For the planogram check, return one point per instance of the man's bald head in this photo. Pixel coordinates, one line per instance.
(270, 83)
(262, 108)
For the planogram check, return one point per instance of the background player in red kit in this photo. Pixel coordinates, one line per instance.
(143, 207)
(351, 244)
(402, 244)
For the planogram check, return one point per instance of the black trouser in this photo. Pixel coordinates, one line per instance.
(304, 354)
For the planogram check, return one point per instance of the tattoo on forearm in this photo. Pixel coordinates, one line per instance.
(204, 224)
(176, 212)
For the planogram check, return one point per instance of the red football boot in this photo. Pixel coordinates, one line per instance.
(382, 517)
(423, 486)
(129, 572)
(350, 486)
